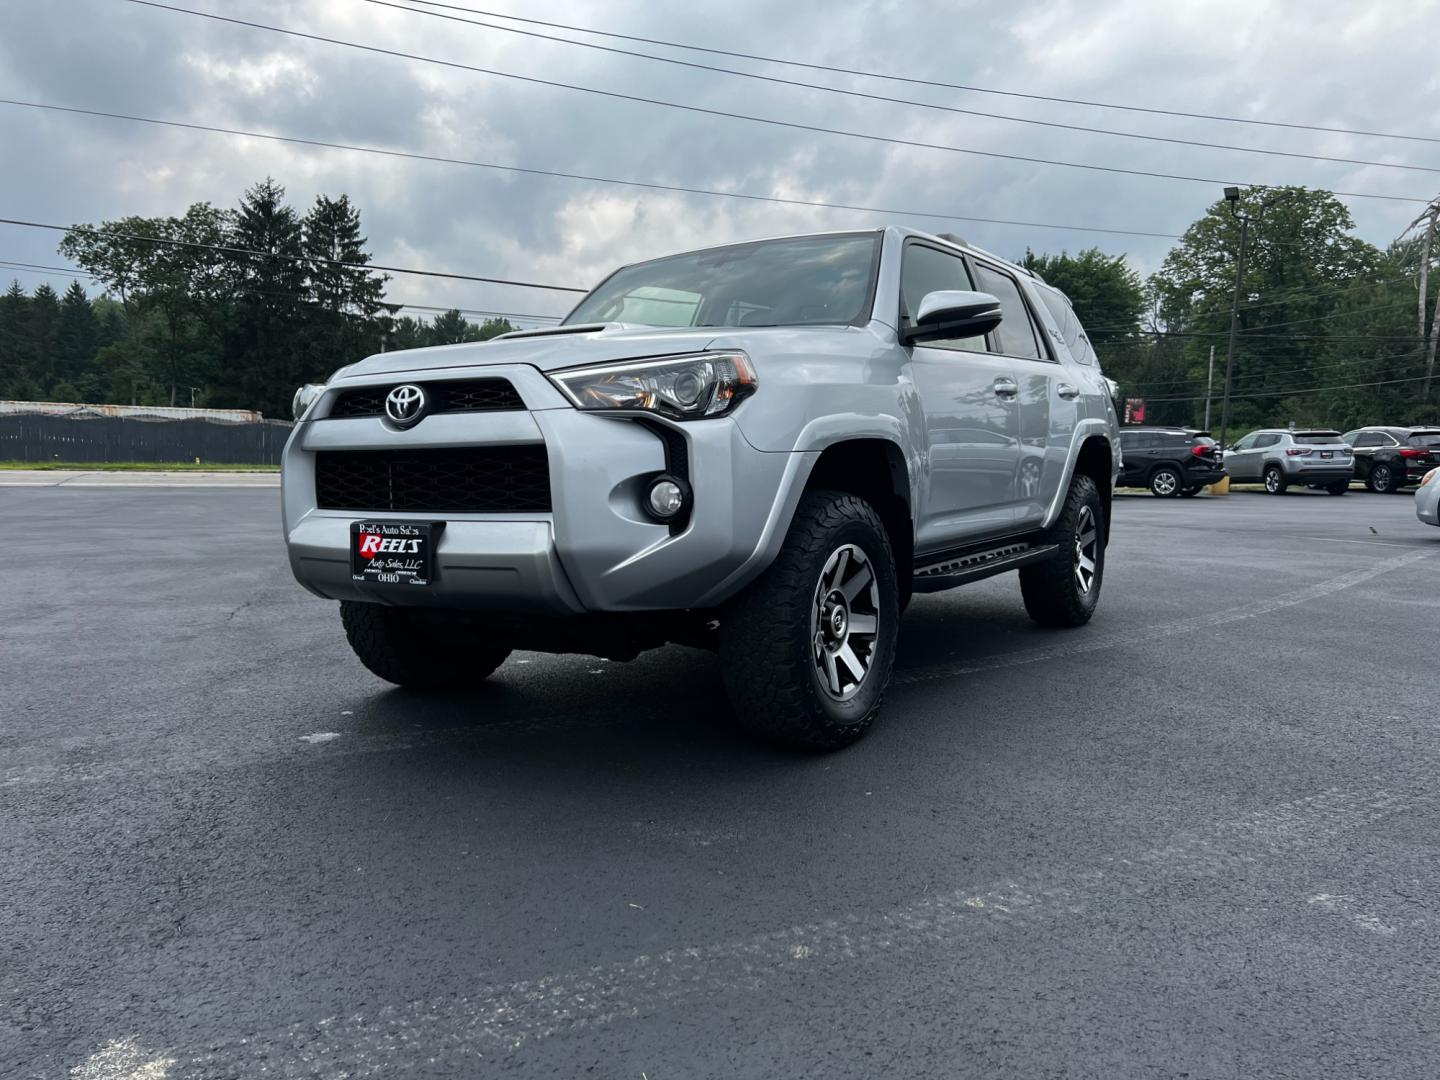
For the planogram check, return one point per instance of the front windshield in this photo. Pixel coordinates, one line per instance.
(793, 282)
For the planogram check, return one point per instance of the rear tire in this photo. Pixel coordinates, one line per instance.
(1275, 482)
(1338, 488)
(400, 649)
(1063, 591)
(1165, 482)
(791, 643)
(1381, 479)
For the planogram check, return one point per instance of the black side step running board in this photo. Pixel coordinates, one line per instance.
(934, 573)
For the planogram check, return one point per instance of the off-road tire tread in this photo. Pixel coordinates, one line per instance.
(415, 657)
(769, 681)
(1048, 588)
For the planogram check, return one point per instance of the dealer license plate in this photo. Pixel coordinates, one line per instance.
(391, 552)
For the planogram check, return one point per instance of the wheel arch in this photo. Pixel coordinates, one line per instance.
(874, 469)
(1095, 459)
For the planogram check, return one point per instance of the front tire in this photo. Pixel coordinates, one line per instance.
(1275, 482)
(1165, 482)
(1063, 591)
(401, 649)
(807, 650)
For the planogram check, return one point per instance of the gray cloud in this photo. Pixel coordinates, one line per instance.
(1363, 68)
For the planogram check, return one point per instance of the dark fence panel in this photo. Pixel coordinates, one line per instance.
(30, 437)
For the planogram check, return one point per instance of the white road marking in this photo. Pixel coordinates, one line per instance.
(505, 1017)
(1333, 540)
(1346, 906)
(320, 736)
(122, 1059)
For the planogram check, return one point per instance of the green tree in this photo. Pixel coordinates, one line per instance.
(1108, 296)
(1307, 279)
(42, 341)
(15, 376)
(263, 359)
(79, 338)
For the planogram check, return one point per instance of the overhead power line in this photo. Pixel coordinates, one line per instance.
(793, 125)
(291, 258)
(775, 79)
(911, 80)
(386, 152)
(1359, 362)
(1293, 391)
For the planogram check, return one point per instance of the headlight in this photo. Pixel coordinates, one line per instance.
(1430, 477)
(680, 387)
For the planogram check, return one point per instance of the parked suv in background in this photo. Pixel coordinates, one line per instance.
(1279, 458)
(763, 448)
(1169, 461)
(1389, 458)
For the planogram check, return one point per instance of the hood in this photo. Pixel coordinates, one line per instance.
(597, 343)
(548, 350)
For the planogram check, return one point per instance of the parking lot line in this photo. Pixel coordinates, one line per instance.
(502, 1018)
(1334, 540)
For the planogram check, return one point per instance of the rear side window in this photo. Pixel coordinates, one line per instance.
(1370, 438)
(926, 270)
(1172, 438)
(1070, 330)
(1016, 334)
(1265, 440)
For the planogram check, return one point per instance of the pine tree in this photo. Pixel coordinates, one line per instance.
(42, 341)
(263, 359)
(77, 343)
(14, 329)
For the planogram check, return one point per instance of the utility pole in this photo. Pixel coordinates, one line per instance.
(1234, 319)
(1209, 386)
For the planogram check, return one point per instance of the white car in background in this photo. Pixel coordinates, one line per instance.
(1427, 499)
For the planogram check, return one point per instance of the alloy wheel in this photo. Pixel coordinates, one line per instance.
(1272, 481)
(1087, 549)
(845, 622)
(1165, 482)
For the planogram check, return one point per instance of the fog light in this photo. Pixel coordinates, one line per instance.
(666, 498)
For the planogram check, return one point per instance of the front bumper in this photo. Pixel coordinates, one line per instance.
(596, 550)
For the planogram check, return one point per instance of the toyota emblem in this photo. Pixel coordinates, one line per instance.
(405, 404)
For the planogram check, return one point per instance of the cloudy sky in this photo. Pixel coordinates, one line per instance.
(1366, 67)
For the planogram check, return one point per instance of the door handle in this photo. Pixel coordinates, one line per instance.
(1068, 392)
(1006, 387)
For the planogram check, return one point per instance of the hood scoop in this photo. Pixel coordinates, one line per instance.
(556, 331)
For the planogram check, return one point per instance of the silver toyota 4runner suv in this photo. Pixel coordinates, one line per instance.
(763, 449)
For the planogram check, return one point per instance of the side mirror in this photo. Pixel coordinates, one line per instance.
(306, 396)
(952, 313)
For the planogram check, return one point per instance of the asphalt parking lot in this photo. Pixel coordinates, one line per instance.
(1199, 838)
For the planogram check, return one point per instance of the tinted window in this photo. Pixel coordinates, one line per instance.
(1426, 439)
(1016, 334)
(1247, 443)
(1129, 440)
(1173, 438)
(1369, 438)
(813, 280)
(1068, 325)
(1266, 440)
(926, 270)
(1310, 438)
